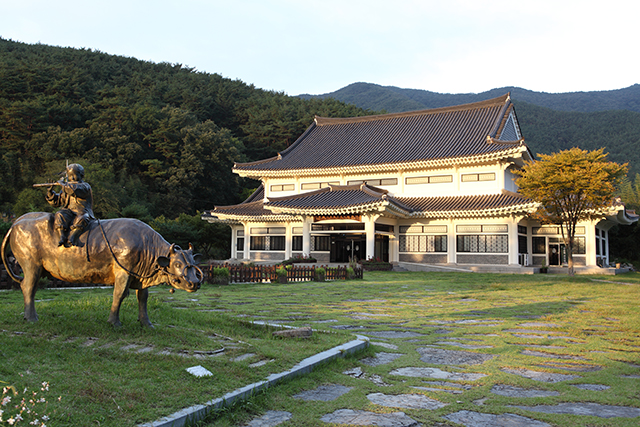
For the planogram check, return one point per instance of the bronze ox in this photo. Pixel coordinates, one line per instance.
(125, 253)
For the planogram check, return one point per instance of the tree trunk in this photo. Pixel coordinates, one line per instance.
(570, 270)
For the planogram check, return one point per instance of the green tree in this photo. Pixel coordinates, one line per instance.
(571, 186)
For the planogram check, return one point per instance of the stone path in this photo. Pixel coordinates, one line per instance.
(448, 367)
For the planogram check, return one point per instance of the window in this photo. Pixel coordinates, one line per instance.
(579, 246)
(522, 244)
(488, 228)
(383, 181)
(539, 245)
(276, 243)
(428, 179)
(422, 243)
(385, 228)
(337, 226)
(296, 243)
(489, 243)
(240, 244)
(322, 243)
(258, 243)
(283, 187)
(316, 185)
(423, 229)
(522, 229)
(475, 177)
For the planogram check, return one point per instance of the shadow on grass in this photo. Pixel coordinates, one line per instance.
(519, 311)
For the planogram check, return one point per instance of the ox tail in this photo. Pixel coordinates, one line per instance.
(13, 275)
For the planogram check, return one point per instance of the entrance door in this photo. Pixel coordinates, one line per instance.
(554, 254)
(382, 247)
(557, 254)
(347, 246)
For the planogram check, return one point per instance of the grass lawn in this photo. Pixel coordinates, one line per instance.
(122, 377)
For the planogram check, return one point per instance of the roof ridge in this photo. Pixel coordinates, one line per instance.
(504, 99)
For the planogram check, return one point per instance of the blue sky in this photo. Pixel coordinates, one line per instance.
(300, 46)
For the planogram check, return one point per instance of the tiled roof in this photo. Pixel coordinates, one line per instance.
(336, 199)
(464, 131)
(465, 206)
(364, 198)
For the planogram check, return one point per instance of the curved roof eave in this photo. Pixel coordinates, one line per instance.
(520, 151)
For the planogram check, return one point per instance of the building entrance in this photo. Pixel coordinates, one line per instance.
(557, 254)
(347, 246)
(382, 247)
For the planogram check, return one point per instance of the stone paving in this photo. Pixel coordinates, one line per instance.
(446, 368)
(440, 366)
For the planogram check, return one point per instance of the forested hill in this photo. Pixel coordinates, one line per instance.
(395, 99)
(549, 122)
(154, 138)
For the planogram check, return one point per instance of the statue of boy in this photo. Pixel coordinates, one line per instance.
(76, 202)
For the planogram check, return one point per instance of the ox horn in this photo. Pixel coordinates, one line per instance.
(190, 247)
(172, 249)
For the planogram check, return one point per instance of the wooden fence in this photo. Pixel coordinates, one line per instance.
(267, 273)
(237, 274)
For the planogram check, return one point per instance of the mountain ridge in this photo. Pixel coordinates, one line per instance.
(395, 99)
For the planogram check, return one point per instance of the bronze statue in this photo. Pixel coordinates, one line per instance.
(75, 201)
(125, 253)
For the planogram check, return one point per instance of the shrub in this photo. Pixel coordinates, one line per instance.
(350, 273)
(376, 264)
(219, 275)
(320, 274)
(300, 259)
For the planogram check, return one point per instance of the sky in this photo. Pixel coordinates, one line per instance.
(320, 46)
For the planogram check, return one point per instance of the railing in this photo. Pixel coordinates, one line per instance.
(267, 273)
(237, 274)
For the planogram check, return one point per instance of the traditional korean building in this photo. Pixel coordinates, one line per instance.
(430, 187)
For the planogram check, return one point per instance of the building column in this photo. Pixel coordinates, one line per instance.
(247, 241)
(370, 230)
(590, 243)
(234, 241)
(288, 241)
(513, 239)
(605, 246)
(451, 242)
(394, 244)
(306, 235)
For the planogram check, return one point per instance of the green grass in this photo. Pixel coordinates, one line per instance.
(102, 384)
(601, 318)
(82, 357)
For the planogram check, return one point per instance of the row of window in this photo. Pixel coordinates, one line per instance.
(423, 243)
(478, 243)
(277, 243)
(414, 180)
(539, 245)
(420, 243)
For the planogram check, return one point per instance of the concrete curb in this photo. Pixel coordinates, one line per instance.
(198, 412)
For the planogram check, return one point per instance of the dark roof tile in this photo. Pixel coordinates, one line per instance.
(441, 133)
